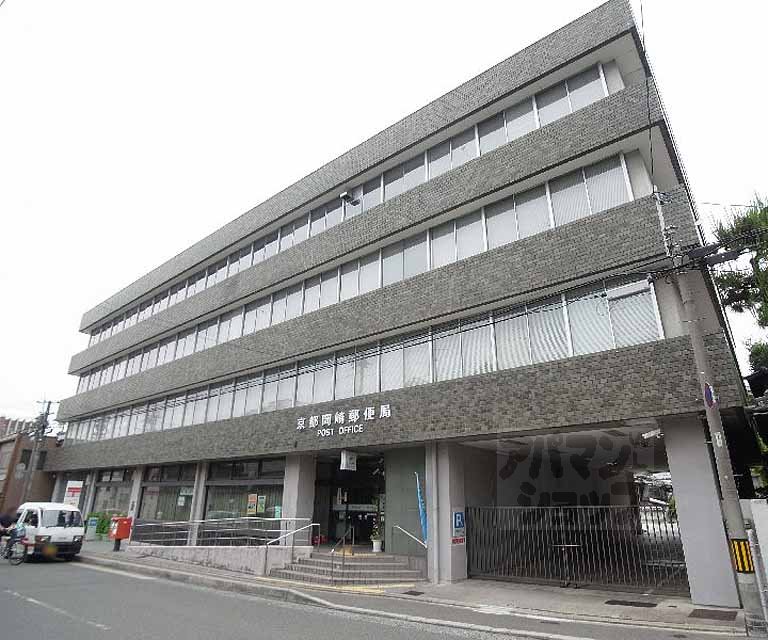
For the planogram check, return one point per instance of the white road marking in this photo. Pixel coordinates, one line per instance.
(62, 612)
(127, 574)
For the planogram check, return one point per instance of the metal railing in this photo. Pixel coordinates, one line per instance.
(343, 542)
(627, 547)
(410, 535)
(248, 531)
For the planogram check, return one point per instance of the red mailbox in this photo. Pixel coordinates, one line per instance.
(120, 529)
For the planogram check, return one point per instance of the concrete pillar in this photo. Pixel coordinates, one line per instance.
(433, 513)
(707, 556)
(89, 494)
(133, 503)
(299, 492)
(452, 558)
(58, 488)
(197, 512)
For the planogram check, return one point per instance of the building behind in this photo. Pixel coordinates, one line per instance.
(465, 297)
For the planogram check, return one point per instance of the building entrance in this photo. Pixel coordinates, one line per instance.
(349, 502)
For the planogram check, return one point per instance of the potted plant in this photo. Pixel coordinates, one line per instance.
(376, 537)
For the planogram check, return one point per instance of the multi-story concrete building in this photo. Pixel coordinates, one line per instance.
(465, 297)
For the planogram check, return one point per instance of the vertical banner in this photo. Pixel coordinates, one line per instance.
(252, 506)
(422, 510)
(72, 492)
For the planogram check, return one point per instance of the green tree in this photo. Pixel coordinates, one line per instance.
(746, 289)
(758, 355)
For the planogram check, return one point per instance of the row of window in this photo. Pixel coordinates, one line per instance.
(595, 188)
(605, 316)
(539, 110)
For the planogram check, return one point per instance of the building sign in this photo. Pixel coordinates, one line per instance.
(458, 535)
(348, 461)
(253, 501)
(72, 492)
(343, 423)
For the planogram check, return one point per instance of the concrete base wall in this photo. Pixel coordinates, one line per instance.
(402, 505)
(242, 559)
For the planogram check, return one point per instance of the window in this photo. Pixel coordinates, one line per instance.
(334, 213)
(174, 412)
(354, 205)
(253, 395)
(300, 230)
(269, 399)
(446, 351)
(392, 263)
(463, 147)
(293, 302)
(371, 193)
(186, 344)
(415, 255)
(329, 288)
(469, 235)
(439, 159)
(501, 223)
(569, 198)
(443, 245)
(413, 172)
(312, 294)
(369, 273)
(512, 348)
(225, 401)
(216, 273)
(546, 324)
(367, 371)
(588, 320)
(197, 406)
(520, 119)
(231, 326)
(286, 237)
(391, 365)
(606, 184)
(393, 182)
(241, 390)
(585, 88)
(305, 383)
(633, 315)
(286, 387)
(270, 245)
(349, 280)
(206, 335)
(138, 418)
(317, 221)
(278, 307)
(416, 359)
(345, 375)
(245, 258)
(258, 251)
(212, 409)
(476, 347)
(154, 419)
(638, 175)
(166, 351)
(532, 212)
(552, 104)
(491, 133)
(324, 376)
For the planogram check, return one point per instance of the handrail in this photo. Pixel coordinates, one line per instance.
(343, 539)
(410, 535)
(292, 533)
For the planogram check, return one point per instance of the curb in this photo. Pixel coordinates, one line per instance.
(294, 596)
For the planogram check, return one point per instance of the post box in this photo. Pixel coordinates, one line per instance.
(119, 529)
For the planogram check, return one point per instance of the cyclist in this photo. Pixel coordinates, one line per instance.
(8, 528)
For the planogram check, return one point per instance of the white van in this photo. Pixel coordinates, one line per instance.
(52, 527)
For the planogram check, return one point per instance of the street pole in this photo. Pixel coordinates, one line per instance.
(731, 508)
(41, 425)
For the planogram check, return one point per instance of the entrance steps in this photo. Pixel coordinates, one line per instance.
(359, 569)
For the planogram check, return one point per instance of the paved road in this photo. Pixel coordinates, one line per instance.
(74, 601)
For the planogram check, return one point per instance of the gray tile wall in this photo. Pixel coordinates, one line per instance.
(613, 118)
(525, 270)
(654, 379)
(588, 32)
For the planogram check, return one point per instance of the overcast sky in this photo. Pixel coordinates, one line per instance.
(129, 130)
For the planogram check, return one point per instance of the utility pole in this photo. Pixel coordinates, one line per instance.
(41, 426)
(731, 508)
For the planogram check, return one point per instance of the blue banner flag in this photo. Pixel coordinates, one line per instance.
(422, 509)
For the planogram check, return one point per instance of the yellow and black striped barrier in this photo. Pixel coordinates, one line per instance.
(742, 556)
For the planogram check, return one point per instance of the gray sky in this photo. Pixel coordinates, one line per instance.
(130, 130)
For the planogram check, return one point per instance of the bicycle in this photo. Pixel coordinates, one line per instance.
(15, 550)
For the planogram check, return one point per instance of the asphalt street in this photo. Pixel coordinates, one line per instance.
(63, 601)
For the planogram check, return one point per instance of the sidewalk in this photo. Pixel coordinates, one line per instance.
(492, 601)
